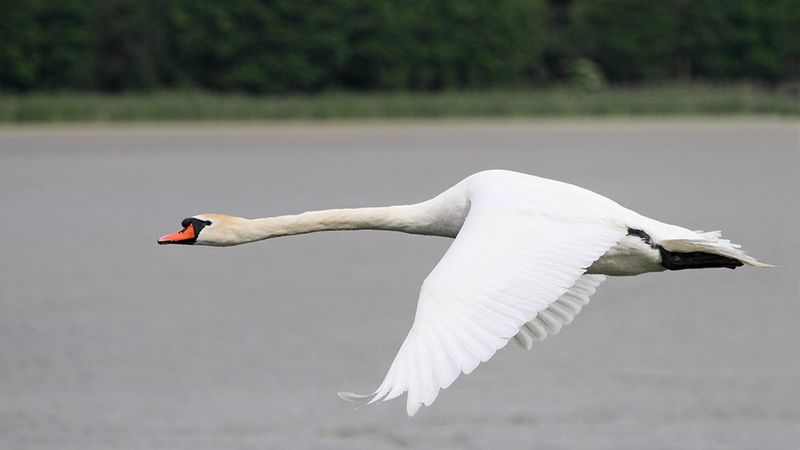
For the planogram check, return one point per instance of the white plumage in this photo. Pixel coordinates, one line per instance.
(528, 254)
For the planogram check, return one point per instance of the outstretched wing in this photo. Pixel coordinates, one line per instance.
(505, 267)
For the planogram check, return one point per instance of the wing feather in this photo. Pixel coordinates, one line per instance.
(561, 312)
(510, 272)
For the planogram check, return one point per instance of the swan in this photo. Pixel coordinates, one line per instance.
(528, 254)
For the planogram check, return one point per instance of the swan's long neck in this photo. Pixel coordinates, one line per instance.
(406, 218)
(434, 217)
(440, 216)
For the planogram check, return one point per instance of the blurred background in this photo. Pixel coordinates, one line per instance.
(557, 57)
(119, 118)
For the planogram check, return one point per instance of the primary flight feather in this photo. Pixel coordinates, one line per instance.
(528, 254)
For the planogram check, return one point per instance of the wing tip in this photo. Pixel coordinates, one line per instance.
(412, 408)
(352, 397)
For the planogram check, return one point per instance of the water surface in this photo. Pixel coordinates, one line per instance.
(110, 341)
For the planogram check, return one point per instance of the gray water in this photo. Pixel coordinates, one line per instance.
(108, 341)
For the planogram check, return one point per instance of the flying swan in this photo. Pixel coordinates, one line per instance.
(528, 254)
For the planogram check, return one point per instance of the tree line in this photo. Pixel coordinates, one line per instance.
(283, 46)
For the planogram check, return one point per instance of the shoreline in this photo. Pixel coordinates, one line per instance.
(555, 103)
(582, 123)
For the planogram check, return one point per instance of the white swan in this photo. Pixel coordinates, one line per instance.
(528, 254)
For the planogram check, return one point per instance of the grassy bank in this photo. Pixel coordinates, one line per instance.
(552, 102)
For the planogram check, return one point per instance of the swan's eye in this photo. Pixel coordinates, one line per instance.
(207, 222)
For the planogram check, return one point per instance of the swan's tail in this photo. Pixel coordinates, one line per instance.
(709, 250)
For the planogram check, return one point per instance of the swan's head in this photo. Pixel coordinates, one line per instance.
(207, 229)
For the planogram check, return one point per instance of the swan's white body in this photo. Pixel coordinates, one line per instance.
(528, 254)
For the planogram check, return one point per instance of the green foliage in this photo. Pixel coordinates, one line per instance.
(636, 40)
(275, 46)
(286, 46)
(18, 41)
(131, 46)
(45, 44)
(629, 39)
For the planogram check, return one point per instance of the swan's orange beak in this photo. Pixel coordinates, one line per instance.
(184, 236)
